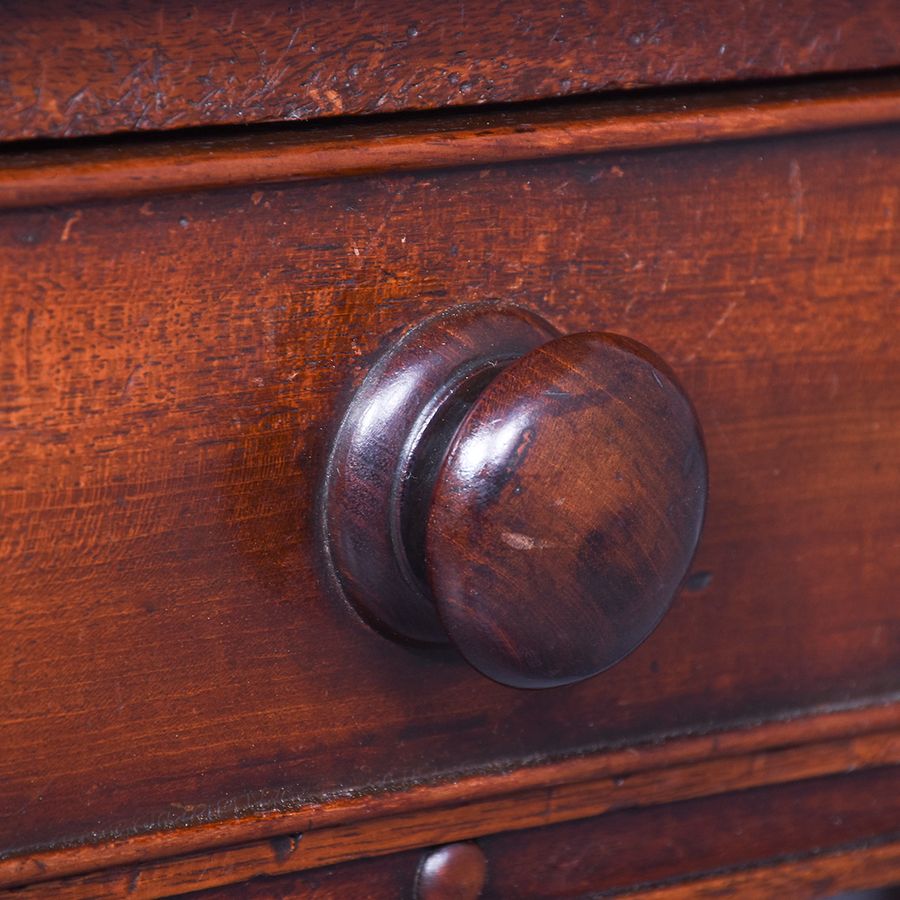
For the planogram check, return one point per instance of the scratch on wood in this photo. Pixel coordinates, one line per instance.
(796, 185)
(70, 224)
(732, 305)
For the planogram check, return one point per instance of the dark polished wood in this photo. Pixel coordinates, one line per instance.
(785, 841)
(301, 370)
(73, 172)
(810, 839)
(76, 67)
(173, 374)
(393, 430)
(454, 872)
(565, 511)
(384, 878)
(461, 808)
(538, 497)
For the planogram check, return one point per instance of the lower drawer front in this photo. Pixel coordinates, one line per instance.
(804, 840)
(173, 373)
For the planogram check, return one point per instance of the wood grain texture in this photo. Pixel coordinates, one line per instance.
(71, 67)
(388, 877)
(807, 836)
(67, 174)
(472, 806)
(814, 876)
(827, 837)
(172, 374)
(797, 840)
(818, 876)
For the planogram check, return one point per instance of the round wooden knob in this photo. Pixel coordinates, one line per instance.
(536, 499)
(452, 872)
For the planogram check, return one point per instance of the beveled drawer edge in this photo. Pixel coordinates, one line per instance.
(872, 864)
(61, 175)
(343, 828)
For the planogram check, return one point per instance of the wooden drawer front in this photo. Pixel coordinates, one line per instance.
(73, 68)
(172, 374)
(803, 840)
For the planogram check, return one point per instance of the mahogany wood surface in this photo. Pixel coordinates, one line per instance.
(68, 173)
(74, 67)
(386, 877)
(565, 511)
(807, 839)
(534, 498)
(637, 849)
(639, 774)
(453, 872)
(874, 867)
(459, 818)
(392, 432)
(815, 876)
(173, 373)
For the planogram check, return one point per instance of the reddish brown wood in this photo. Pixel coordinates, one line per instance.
(582, 786)
(385, 878)
(806, 840)
(873, 867)
(730, 835)
(543, 496)
(394, 426)
(810, 835)
(566, 511)
(454, 872)
(100, 66)
(67, 173)
(172, 370)
(814, 876)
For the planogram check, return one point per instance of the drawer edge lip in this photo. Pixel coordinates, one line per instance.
(848, 867)
(808, 744)
(524, 132)
(142, 70)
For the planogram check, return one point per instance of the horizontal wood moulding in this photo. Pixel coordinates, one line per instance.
(844, 869)
(763, 831)
(760, 836)
(114, 169)
(352, 827)
(103, 66)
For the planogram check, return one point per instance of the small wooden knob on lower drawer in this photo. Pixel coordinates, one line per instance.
(534, 498)
(452, 872)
